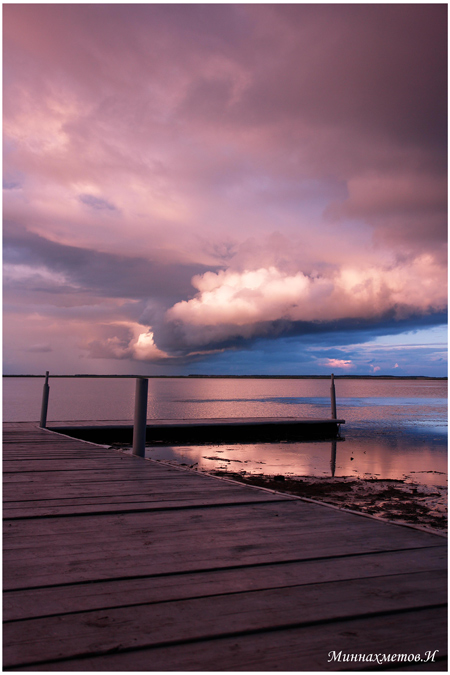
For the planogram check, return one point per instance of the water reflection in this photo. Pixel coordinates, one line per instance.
(333, 458)
(395, 457)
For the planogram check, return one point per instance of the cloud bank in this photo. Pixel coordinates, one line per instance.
(184, 181)
(240, 304)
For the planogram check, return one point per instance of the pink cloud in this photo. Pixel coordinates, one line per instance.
(201, 121)
(232, 303)
(337, 363)
(295, 151)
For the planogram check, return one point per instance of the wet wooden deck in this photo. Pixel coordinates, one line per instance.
(113, 562)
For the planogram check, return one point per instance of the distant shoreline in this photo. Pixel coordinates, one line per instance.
(247, 377)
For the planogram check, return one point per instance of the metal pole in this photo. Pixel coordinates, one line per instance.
(140, 416)
(333, 398)
(44, 405)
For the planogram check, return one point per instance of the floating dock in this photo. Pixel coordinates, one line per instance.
(216, 430)
(116, 563)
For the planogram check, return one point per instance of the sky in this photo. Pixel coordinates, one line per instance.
(225, 189)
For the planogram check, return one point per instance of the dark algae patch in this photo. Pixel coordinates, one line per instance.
(395, 500)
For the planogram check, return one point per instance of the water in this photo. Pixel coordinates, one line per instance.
(394, 428)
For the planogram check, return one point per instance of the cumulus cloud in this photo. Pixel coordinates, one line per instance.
(230, 303)
(131, 343)
(143, 348)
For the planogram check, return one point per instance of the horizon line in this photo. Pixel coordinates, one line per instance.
(253, 376)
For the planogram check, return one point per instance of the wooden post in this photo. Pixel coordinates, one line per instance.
(333, 398)
(44, 405)
(140, 416)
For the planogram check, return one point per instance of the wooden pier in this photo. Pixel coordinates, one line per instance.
(214, 430)
(117, 563)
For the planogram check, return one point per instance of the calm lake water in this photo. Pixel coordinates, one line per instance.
(393, 429)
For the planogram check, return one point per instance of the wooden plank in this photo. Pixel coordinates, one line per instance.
(277, 516)
(219, 525)
(205, 618)
(120, 473)
(143, 476)
(21, 471)
(186, 497)
(73, 542)
(30, 449)
(56, 564)
(257, 547)
(72, 489)
(40, 479)
(113, 593)
(25, 489)
(71, 496)
(209, 576)
(300, 649)
(290, 518)
(103, 490)
(37, 450)
(109, 505)
(119, 499)
(73, 492)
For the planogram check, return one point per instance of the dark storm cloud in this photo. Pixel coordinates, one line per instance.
(171, 338)
(362, 66)
(359, 67)
(98, 273)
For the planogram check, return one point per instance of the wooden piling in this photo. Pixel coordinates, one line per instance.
(140, 416)
(44, 404)
(333, 398)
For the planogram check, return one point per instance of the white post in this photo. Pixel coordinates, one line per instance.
(333, 398)
(140, 416)
(44, 404)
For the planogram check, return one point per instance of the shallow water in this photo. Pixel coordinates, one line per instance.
(361, 457)
(394, 428)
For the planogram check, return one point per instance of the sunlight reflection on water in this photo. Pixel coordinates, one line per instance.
(363, 458)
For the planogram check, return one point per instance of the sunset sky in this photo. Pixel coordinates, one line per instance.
(225, 189)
